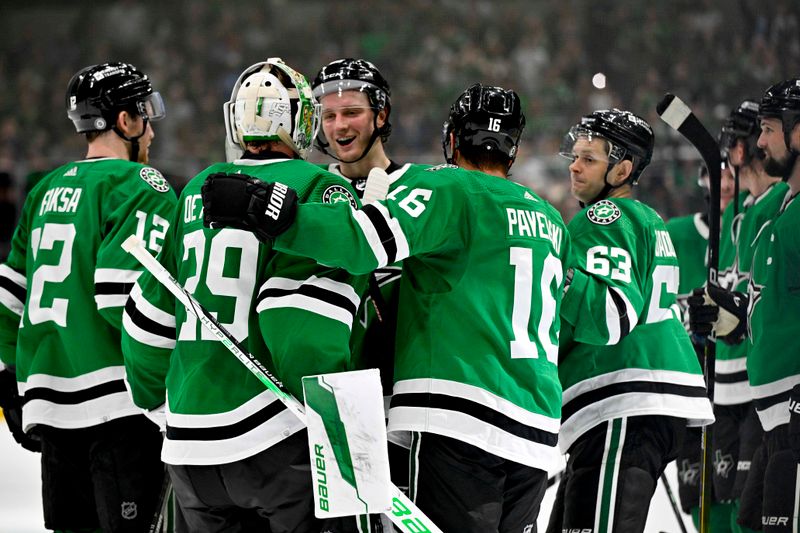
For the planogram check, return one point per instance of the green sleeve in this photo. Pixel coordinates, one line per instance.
(606, 296)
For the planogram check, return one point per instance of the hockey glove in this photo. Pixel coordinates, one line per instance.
(794, 422)
(11, 404)
(724, 312)
(244, 202)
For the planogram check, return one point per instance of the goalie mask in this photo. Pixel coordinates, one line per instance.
(484, 118)
(98, 93)
(271, 102)
(356, 75)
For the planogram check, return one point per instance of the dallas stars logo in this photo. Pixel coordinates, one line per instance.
(754, 291)
(337, 193)
(731, 277)
(603, 212)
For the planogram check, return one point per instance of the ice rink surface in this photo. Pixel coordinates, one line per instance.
(21, 507)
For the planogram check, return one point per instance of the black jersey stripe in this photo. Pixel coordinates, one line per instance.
(112, 287)
(18, 292)
(622, 310)
(735, 377)
(312, 291)
(74, 397)
(476, 410)
(615, 389)
(147, 324)
(762, 404)
(230, 431)
(384, 232)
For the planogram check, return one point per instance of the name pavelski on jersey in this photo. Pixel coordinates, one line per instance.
(603, 212)
(337, 193)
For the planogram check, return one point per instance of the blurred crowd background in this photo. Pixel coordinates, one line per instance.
(711, 53)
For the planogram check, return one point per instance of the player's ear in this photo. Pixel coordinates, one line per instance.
(382, 117)
(126, 123)
(620, 172)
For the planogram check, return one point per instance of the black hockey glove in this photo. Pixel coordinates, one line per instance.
(243, 202)
(724, 312)
(794, 422)
(11, 404)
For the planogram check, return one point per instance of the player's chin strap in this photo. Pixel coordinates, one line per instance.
(376, 132)
(607, 188)
(134, 151)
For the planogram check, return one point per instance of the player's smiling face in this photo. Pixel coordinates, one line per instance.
(347, 122)
(587, 171)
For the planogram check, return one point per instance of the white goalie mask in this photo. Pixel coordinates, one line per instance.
(271, 102)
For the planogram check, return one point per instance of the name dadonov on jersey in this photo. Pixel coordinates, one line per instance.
(526, 223)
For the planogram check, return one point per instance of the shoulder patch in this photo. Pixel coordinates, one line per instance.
(337, 193)
(440, 167)
(603, 212)
(154, 178)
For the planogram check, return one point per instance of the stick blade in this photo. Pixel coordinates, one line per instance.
(673, 111)
(130, 243)
(377, 186)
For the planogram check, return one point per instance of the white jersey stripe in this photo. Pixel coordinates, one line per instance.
(400, 238)
(371, 234)
(115, 275)
(145, 337)
(17, 278)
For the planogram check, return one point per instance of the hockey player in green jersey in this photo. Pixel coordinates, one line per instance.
(476, 386)
(356, 103)
(689, 235)
(231, 445)
(630, 376)
(769, 499)
(63, 291)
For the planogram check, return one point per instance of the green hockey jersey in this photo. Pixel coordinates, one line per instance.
(374, 331)
(66, 282)
(292, 314)
(773, 365)
(736, 256)
(689, 236)
(478, 325)
(624, 351)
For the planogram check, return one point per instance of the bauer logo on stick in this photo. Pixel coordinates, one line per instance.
(603, 212)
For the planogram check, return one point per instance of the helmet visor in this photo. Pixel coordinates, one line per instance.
(152, 107)
(340, 86)
(581, 142)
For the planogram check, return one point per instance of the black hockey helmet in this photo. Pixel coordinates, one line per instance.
(782, 101)
(487, 118)
(628, 136)
(350, 74)
(96, 94)
(742, 123)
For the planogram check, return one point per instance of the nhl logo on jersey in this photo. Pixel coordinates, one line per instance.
(129, 510)
(603, 212)
(154, 178)
(337, 193)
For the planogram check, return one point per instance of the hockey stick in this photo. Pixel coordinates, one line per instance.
(404, 513)
(673, 503)
(680, 117)
(161, 504)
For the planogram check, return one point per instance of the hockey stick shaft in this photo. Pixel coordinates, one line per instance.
(404, 513)
(161, 505)
(681, 118)
(673, 503)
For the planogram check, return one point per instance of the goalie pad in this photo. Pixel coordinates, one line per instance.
(347, 443)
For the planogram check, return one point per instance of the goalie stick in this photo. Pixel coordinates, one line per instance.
(404, 513)
(680, 117)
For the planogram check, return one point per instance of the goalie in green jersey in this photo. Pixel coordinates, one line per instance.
(476, 392)
(630, 376)
(233, 449)
(64, 288)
